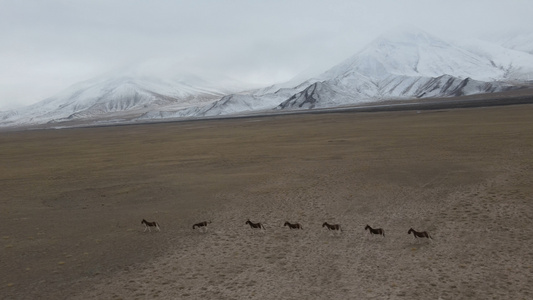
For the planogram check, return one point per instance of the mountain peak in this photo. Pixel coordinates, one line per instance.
(410, 51)
(405, 62)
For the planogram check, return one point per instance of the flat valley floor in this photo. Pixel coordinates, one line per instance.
(72, 201)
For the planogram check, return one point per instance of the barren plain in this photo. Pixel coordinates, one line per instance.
(72, 201)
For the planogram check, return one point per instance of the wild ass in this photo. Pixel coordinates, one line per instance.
(255, 225)
(421, 234)
(201, 225)
(332, 227)
(293, 226)
(378, 231)
(147, 225)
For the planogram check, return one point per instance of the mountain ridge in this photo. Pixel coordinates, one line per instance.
(401, 64)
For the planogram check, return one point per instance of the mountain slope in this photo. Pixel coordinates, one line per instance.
(519, 41)
(115, 96)
(410, 64)
(404, 63)
(515, 64)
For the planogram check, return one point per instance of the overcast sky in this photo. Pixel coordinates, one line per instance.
(48, 45)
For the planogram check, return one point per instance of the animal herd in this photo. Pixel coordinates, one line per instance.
(333, 227)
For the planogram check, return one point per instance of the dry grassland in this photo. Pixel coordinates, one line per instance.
(72, 201)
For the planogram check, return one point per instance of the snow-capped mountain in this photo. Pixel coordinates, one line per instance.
(412, 52)
(119, 95)
(263, 99)
(405, 63)
(327, 94)
(413, 64)
(401, 64)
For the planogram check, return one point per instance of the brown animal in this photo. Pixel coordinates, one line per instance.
(422, 234)
(255, 225)
(201, 225)
(147, 225)
(293, 226)
(332, 226)
(378, 231)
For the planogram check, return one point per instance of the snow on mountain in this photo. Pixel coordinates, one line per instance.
(515, 64)
(325, 94)
(263, 99)
(519, 41)
(117, 95)
(412, 52)
(227, 105)
(410, 63)
(404, 63)
(317, 95)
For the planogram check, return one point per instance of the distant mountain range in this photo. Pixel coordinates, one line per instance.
(120, 97)
(402, 64)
